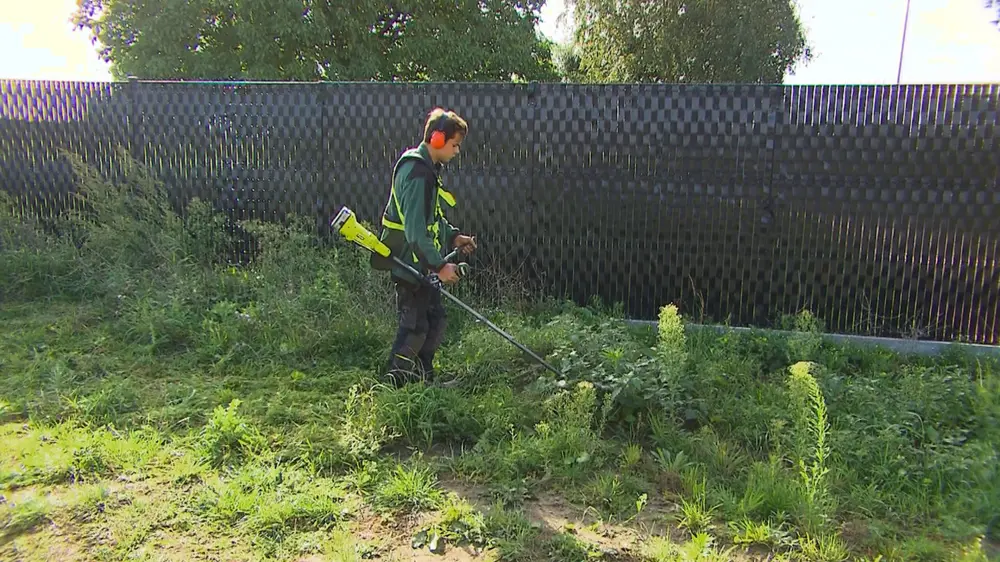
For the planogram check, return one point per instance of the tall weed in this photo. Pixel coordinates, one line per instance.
(806, 339)
(671, 350)
(812, 448)
(131, 239)
(165, 274)
(362, 435)
(271, 502)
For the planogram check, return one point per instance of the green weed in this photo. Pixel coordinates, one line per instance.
(229, 438)
(272, 501)
(749, 532)
(825, 548)
(66, 452)
(457, 524)
(812, 449)
(86, 502)
(408, 489)
(616, 497)
(696, 515)
(511, 533)
(701, 547)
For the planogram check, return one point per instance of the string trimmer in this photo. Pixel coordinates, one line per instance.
(348, 226)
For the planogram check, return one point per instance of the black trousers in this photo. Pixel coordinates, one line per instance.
(422, 323)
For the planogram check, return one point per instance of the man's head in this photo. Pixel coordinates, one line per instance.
(444, 132)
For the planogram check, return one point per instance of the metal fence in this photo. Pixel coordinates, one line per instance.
(875, 207)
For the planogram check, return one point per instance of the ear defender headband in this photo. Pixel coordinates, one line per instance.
(437, 137)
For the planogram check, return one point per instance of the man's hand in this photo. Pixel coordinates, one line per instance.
(465, 243)
(448, 273)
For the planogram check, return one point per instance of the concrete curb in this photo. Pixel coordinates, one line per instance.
(910, 347)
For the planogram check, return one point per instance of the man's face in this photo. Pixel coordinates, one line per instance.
(451, 149)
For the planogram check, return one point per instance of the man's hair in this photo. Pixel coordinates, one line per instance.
(448, 121)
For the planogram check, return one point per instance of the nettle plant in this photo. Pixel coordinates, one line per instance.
(630, 376)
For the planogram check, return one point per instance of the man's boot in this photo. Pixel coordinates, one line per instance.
(401, 370)
(430, 375)
(426, 366)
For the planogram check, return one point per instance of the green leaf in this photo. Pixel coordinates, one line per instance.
(437, 545)
(419, 540)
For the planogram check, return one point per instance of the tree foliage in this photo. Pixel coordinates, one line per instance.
(412, 40)
(567, 60)
(745, 41)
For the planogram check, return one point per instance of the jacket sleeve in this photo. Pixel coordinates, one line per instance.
(412, 191)
(452, 232)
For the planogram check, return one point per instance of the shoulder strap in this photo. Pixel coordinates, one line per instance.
(409, 154)
(412, 153)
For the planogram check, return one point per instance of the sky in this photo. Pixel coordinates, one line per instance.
(947, 41)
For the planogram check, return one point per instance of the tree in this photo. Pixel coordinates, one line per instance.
(567, 60)
(744, 41)
(409, 40)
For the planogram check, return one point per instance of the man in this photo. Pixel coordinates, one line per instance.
(416, 230)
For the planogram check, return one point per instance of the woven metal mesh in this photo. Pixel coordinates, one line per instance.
(873, 207)
(885, 205)
(651, 193)
(40, 119)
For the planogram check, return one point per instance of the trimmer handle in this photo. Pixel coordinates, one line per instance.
(463, 270)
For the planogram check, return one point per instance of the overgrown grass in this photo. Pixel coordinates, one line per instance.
(155, 396)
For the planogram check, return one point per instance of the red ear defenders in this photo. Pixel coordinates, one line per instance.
(437, 137)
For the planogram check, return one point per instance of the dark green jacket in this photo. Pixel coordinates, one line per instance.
(413, 224)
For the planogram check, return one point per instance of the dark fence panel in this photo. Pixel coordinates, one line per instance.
(39, 119)
(887, 199)
(655, 193)
(873, 206)
(253, 151)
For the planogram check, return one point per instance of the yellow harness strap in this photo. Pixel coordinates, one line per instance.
(448, 197)
(442, 194)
